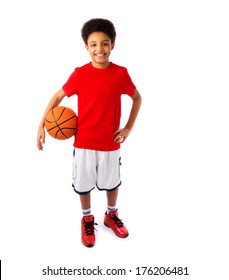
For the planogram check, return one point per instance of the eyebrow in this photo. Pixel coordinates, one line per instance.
(96, 42)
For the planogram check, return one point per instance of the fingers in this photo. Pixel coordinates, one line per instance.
(121, 135)
(119, 138)
(40, 144)
(40, 139)
(40, 147)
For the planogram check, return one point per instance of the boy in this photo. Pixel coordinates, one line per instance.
(96, 158)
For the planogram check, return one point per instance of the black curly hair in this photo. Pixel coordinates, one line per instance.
(98, 25)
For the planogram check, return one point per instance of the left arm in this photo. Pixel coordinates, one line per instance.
(123, 133)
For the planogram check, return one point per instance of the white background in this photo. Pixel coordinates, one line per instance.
(174, 197)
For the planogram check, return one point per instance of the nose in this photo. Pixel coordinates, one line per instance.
(99, 47)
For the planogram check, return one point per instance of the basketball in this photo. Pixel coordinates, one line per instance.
(61, 122)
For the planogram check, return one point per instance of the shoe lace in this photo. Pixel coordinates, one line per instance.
(89, 227)
(118, 222)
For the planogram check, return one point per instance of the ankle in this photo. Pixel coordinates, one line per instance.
(111, 209)
(86, 212)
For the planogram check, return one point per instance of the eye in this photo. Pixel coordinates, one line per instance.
(105, 44)
(93, 45)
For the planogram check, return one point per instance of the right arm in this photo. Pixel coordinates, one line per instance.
(54, 101)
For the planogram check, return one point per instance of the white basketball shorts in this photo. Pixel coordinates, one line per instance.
(95, 168)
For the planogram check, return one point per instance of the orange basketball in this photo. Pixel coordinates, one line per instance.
(61, 122)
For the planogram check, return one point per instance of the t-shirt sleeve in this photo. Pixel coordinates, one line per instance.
(71, 86)
(128, 87)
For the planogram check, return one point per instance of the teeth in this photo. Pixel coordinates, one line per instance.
(100, 54)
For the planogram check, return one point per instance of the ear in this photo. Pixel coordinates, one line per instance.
(86, 46)
(112, 46)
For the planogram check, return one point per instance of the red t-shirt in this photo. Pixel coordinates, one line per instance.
(99, 104)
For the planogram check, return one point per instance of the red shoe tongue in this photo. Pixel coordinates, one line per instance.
(88, 218)
(114, 213)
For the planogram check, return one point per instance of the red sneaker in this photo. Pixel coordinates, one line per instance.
(112, 221)
(87, 231)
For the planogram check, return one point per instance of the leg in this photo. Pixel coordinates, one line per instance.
(84, 174)
(85, 201)
(111, 219)
(87, 222)
(112, 197)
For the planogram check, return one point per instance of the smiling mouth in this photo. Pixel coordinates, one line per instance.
(100, 54)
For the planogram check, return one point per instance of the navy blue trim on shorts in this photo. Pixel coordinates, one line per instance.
(81, 193)
(110, 190)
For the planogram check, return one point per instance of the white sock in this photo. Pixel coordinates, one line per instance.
(86, 212)
(111, 208)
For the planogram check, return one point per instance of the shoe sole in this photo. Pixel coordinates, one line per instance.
(115, 233)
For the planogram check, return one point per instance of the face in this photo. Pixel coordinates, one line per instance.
(99, 47)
